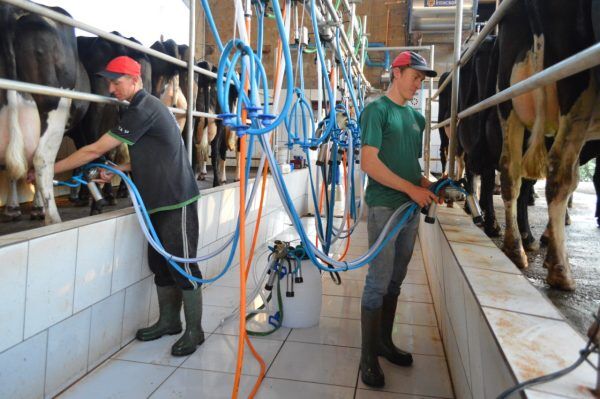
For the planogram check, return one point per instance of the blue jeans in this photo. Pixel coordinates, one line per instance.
(388, 269)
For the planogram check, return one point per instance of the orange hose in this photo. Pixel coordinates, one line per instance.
(263, 366)
(242, 248)
(348, 214)
(245, 268)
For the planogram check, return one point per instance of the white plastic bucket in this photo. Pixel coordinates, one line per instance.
(304, 308)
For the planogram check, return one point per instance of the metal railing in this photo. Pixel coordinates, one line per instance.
(190, 65)
(579, 62)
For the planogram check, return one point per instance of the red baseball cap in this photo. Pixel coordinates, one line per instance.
(414, 61)
(121, 66)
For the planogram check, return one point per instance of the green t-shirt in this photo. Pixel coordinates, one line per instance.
(397, 131)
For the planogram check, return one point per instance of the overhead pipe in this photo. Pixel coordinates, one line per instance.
(7, 84)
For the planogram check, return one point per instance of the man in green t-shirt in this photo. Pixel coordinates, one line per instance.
(392, 133)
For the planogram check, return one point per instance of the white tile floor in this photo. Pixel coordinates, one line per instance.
(317, 362)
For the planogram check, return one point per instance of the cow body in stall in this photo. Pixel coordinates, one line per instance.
(534, 35)
(211, 133)
(37, 50)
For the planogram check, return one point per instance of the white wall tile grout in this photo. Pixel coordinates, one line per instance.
(75, 274)
(25, 301)
(47, 331)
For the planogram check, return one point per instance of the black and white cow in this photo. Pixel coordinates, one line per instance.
(210, 132)
(95, 53)
(37, 50)
(169, 81)
(534, 35)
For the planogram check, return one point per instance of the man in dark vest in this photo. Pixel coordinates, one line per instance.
(165, 180)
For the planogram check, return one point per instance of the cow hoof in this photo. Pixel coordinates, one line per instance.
(518, 257)
(37, 213)
(497, 190)
(493, 230)
(567, 219)
(598, 221)
(111, 201)
(98, 206)
(202, 176)
(544, 240)
(559, 277)
(11, 214)
(531, 245)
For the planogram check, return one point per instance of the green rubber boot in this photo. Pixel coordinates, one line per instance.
(193, 334)
(169, 321)
(386, 347)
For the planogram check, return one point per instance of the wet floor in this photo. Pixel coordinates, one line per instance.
(583, 245)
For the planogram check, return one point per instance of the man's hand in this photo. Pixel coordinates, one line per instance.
(105, 176)
(421, 196)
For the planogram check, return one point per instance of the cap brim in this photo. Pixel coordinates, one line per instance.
(430, 73)
(110, 75)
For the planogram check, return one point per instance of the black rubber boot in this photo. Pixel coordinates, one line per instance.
(386, 347)
(370, 370)
(193, 334)
(169, 321)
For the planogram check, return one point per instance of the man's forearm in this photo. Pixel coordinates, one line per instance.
(78, 158)
(425, 182)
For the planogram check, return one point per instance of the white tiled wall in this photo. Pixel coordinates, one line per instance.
(68, 347)
(50, 280)
(13, 276)
(70, 298)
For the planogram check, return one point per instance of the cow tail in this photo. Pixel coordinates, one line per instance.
(16, 162)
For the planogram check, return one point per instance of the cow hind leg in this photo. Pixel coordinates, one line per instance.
(510, 166)
(37, 210)
(12, 210)
(561, 182)
(45, 156)
(529, 242)
(486, 201)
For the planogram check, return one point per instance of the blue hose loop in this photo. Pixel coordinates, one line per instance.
(307, 117)
(310, 248)
(256, 72)
(152, 236)
(409, 210)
